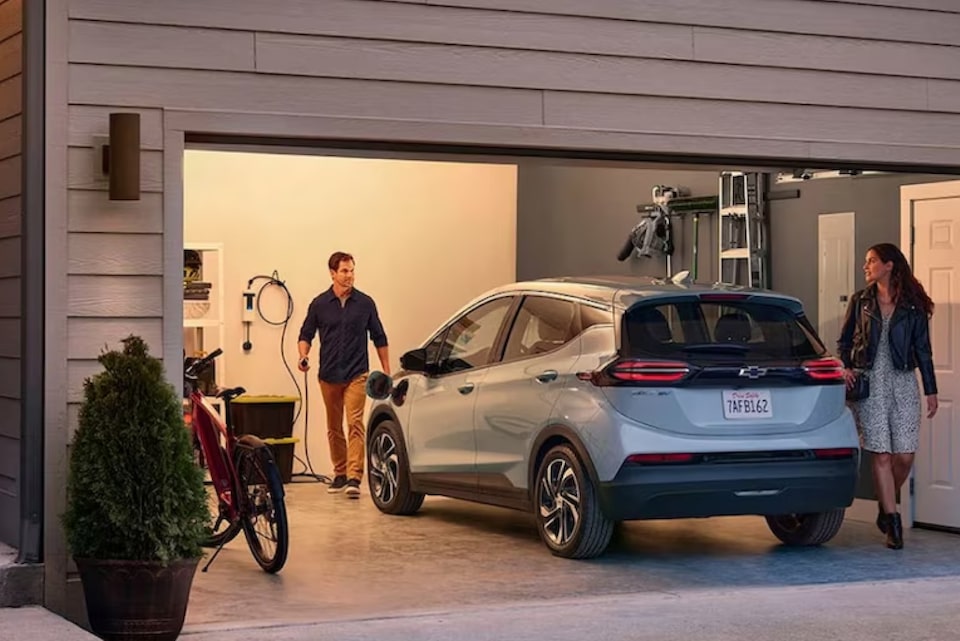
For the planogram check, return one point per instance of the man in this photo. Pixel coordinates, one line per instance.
(344, 316)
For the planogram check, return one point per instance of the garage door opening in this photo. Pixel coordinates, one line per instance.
(428, 235)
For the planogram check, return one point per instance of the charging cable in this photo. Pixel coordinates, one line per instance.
(303, 394)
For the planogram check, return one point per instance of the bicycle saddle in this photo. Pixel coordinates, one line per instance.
(230, 394)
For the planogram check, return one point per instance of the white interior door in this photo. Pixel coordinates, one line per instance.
(836, 280)
(934, 210)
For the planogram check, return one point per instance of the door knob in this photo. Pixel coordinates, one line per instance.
(547, 376)
(466, 388)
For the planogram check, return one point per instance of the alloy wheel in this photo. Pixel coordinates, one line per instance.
(560, 507)
(384, 467)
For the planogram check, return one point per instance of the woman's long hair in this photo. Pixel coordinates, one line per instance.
(904, 287)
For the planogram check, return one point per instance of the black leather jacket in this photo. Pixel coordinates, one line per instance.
(909, 337)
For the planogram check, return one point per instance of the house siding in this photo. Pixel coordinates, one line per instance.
(875, 82)
(11, 133)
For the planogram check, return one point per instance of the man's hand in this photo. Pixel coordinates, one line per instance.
(304, 364)
(932, 405)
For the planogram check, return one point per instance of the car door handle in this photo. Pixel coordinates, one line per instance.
(466, 388)
(547, 376)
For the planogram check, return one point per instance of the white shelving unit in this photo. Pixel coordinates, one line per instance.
(203, 326)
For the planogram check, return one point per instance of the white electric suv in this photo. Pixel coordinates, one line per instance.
(592, 401)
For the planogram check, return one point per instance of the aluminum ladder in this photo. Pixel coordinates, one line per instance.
(743, 232)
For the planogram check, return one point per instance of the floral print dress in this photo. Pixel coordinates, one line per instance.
(889, 418)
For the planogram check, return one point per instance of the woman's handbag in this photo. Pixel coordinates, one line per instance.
(860, 389)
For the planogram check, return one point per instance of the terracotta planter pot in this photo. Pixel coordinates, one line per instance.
(135, 600)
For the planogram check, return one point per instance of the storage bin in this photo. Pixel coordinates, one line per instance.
(269, 417)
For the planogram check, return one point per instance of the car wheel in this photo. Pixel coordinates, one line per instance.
(389, 473)
(567, 509)
(806, 529)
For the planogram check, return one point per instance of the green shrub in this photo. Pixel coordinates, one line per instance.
(134, 491)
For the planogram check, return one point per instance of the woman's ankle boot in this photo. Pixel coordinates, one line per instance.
(881, 519)
(894, 531)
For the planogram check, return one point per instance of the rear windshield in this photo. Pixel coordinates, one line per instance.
(697, 330)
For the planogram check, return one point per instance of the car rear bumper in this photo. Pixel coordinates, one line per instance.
(703, 489)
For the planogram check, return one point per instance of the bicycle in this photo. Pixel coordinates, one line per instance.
(245, 479)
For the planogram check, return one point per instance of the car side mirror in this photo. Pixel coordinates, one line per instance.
(415, 360)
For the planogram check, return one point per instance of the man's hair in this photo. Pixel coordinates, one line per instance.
(336, 258)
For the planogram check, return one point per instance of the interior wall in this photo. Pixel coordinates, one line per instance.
(875, 201)
(420, 232)
(573, 220)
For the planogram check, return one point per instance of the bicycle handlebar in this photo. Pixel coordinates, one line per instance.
(199, 365)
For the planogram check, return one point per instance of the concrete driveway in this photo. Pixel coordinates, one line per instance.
(348, 562)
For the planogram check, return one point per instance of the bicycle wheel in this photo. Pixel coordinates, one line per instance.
(264, 514)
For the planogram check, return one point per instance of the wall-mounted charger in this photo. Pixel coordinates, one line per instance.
(249, 306)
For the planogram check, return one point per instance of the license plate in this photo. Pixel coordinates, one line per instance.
(747, 404)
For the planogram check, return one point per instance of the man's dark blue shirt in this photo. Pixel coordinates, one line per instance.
(343, 332)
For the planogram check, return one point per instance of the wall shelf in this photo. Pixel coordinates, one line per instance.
(203, 328)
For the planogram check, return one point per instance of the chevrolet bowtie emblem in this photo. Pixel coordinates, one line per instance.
(753, 372)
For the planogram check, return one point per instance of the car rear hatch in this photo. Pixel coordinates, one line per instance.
(722, 364)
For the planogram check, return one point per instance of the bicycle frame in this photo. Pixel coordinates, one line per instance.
(209, 429)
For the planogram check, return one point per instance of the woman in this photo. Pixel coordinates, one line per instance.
(885, 337)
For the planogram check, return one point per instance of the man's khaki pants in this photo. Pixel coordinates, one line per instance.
(347, 454)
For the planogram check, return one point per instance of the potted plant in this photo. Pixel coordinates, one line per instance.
(136, 506)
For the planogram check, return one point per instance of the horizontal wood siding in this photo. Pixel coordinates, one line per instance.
(10, 338)
(111, 296)
(846, 19)
(11, 408)
(231, 91)
(90, 336)
(448, 64)
(11, 134)
(91, 211)
(891, 71)
(857, 79)
(120, 254)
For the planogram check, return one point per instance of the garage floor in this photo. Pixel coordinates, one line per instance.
(349, 561)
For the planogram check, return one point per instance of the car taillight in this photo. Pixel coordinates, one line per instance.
(632, 370)
(660, 459)
(834, 452)
(824, 369)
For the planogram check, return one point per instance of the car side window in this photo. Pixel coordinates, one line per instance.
(470, 339)
(434, 347)
(543, 324)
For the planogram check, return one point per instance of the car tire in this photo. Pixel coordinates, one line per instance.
(388, 472)
(567, 508)
(806, 529)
